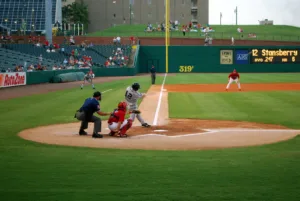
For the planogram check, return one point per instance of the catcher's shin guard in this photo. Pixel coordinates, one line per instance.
(126, 127)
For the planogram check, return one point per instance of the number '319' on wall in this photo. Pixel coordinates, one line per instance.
(186, 69)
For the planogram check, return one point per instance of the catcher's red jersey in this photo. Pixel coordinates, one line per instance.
(117, 116)
(234, 75)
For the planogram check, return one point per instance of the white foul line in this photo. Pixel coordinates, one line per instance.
(214, 131)
(159, 102)
(106, 91)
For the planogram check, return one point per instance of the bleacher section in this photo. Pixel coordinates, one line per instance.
(10, 59)
(27, 13)
(36, 51)
(98, 59)
(107, 50)
(16, 54)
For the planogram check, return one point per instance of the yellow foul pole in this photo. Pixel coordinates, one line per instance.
(167, 32)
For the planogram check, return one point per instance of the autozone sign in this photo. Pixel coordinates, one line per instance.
(12, 79)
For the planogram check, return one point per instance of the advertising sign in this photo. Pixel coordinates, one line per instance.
(12, 79)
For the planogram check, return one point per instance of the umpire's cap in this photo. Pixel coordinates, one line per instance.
(97, 94)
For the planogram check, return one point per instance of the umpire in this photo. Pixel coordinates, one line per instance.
(153, 74)
(85, 115)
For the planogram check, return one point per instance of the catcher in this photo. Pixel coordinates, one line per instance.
(117, 122)
(88, 77)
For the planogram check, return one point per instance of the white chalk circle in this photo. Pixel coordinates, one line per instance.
(160, 130)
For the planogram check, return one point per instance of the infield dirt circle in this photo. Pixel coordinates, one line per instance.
(173, 134)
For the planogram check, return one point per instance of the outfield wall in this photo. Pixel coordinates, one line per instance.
(219, 59)
(183, 59)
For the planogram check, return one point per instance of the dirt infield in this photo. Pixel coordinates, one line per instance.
(173, 134)
(221, 87)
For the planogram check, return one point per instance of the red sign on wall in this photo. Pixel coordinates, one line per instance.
(12, 79)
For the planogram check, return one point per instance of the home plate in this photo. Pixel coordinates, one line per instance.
(160, 130)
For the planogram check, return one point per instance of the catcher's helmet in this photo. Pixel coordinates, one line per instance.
(136, 86)
(122, 105)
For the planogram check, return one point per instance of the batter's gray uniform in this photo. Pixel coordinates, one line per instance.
(131, 97)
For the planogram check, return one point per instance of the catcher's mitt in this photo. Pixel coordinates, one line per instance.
(135, 111)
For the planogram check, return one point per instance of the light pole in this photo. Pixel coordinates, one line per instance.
(236, 16)
(221, 18)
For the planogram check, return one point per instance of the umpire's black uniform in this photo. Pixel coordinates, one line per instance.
(153, 74)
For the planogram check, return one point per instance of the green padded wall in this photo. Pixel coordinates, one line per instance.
(198, 59)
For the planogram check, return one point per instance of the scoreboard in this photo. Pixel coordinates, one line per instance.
(275, 56)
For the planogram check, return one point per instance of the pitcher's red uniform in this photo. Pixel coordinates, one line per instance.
(234, 77)
(118, 117)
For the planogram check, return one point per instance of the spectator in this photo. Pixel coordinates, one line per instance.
(65, 62)
(206, 40)
(40, 59)
(118, 40)
(72, 41)
(46, 44)
(232, 40)
(83, 46)
(56, 46)
(62, 50)
(183, 30)
(30, 39)
(76, 54)
(132, 40)
(114, 40)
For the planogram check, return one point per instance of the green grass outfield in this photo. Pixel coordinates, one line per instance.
(216, 78)
(275, 32)
(32, 171)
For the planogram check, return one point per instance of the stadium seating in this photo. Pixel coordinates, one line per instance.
(107, 50)
(29, 13)
(16, 54)
(36, 51)
(10, 59)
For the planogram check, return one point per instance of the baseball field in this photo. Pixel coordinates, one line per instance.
(205, 144)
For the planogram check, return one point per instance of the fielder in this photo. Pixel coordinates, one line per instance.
(88, 77)
(117, 123)
(131, 96)
(234, 77)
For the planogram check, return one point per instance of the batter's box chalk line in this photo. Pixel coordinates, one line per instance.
(176, 136)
